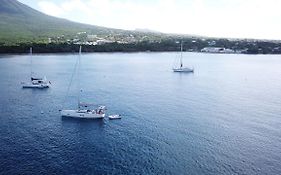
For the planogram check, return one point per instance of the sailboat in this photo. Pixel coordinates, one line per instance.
(36, 82)
(181, 68)
(83, 110)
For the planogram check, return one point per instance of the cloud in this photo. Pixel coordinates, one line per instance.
(50, 8)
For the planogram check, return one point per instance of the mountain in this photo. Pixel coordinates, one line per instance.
(20, 23)
(22, 26)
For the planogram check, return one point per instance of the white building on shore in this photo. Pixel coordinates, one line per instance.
(217, 50)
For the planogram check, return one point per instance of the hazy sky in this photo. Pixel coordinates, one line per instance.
(217, 18)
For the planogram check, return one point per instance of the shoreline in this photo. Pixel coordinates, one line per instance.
(124, 52)
(141, 47)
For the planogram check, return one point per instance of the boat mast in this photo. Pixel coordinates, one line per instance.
(30, 54)
(181, 55)
(79, 60)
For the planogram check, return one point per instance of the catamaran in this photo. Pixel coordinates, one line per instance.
(35, 82)
(83, 110)
(180, 68)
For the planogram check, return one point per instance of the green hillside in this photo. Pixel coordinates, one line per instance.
(22, 27)
(20, 23)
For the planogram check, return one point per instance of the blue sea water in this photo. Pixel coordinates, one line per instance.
(223, 119)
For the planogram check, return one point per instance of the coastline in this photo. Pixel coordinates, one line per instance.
(118, 48)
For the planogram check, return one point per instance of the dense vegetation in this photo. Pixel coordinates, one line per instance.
(167, 45)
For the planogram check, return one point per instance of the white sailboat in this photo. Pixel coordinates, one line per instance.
(35, 82)
(181, 68)
(83, 110)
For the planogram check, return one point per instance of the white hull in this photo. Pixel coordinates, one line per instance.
(38, 86)
(185, 69)
(112, 117)
(81, 114)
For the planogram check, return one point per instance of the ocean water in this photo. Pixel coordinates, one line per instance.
(223, 119)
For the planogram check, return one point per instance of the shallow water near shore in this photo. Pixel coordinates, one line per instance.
(223, 119)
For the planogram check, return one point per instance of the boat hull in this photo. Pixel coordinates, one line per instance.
(36, 86)
(114, 117)
(183, 70)
(79, 114)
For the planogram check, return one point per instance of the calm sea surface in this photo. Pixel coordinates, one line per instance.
(223, 119)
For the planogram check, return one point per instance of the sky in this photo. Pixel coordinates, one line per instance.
(259, 19)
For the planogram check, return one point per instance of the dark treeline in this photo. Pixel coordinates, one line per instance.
(110, 47)
(195, 45)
